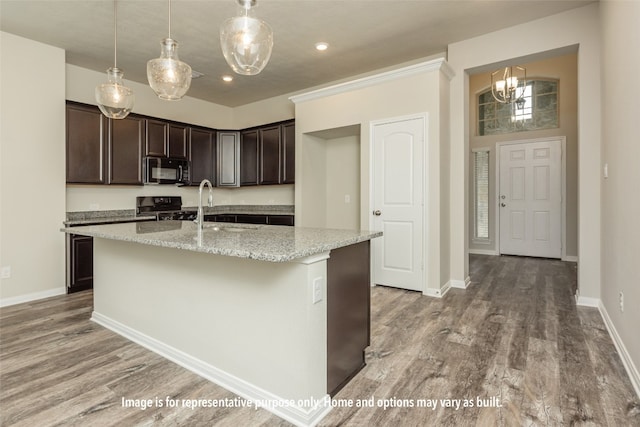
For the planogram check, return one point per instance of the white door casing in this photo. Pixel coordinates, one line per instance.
(530, 193)
(398, 159)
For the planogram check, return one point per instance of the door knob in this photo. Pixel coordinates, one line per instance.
(503, 205)
(377, 212)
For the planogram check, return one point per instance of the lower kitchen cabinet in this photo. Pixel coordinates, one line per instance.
(252, 219)
(79, 263)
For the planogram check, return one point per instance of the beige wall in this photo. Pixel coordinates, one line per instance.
(525, 43)
(360, 106)
(565, 69)
(81, 83)
(32, 175)
(621, 151)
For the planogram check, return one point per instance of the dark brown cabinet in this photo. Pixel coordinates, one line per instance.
(157, 136)
(125, 142)
(269, 155)
(85, 144)
(80, 259)
(202, 154)
(178, 141)
(252, 219)
(288, 153)
(249, 157)
(348, 313)
(107, 151)
(281, 220)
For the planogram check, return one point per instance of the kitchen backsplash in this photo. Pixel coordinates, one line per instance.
(97, 198)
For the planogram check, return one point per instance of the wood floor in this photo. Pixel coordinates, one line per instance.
(514, 336)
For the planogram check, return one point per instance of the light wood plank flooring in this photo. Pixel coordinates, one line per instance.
(514, 335)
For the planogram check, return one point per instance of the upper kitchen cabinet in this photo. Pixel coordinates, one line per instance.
(85, 144)
(288, 153)
(228, 150)
(126, 142)
(249, 157)
(202, 154)
(157, 138)
(178, 140)
(269, 155)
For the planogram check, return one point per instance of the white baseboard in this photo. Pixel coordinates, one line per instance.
(438, 293)
(570, 258)
(587, 302)
(296, 415)
(34, 296)
(631, 369)
(483, 252)
(460, 284)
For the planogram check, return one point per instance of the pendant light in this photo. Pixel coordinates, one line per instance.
(246, 40)
(169, 77)
(114, 99)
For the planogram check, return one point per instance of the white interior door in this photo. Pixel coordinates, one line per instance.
(397, 208)
(530, 199)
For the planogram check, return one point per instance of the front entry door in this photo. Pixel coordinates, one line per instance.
(530, 199)
(397, 209)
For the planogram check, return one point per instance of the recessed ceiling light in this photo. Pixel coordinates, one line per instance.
(227, 78)
(321, 46)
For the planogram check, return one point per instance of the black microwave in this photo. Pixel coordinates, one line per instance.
(166, 170)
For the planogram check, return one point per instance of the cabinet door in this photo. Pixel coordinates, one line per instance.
(157, 134)
(269, 158)
(81, 263)
(269, 155)
(202, 155)
(288, 153)
(178, 140)
(281, 220)
(228, 149)
(126, 139)
(252, 219)
(85, 145)
(249, 158)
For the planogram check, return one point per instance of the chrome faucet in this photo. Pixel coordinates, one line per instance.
(200, 217)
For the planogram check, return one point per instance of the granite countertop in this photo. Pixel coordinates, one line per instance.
(129, 215)
(261, 242)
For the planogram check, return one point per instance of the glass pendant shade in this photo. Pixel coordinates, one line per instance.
(169, 77)
(114, 99)
(246, 41)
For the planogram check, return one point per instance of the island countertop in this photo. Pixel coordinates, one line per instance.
(260, 242)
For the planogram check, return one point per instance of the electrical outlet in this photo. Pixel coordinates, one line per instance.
(318, 283)
(347, 198)
(606, 170)
(5, 273)
(621, 298)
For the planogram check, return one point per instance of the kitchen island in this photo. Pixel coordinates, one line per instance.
(277, 315)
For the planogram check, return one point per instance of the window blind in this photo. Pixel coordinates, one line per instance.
(481, 194)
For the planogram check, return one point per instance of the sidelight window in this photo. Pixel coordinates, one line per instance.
(481, 195)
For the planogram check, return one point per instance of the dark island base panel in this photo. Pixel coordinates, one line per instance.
(348, 313)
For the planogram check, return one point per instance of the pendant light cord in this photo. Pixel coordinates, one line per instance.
(169, 18)
(115, 34)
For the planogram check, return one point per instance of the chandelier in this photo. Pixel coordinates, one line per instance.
(508, 84)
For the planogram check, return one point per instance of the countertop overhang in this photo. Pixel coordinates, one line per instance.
(260, 242)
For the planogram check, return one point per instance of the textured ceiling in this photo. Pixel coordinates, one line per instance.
(363, 36)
